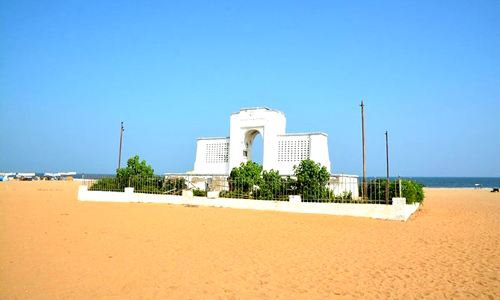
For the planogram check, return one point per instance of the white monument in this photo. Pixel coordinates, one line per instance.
(218, 156)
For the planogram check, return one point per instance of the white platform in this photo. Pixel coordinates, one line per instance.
(398, 211)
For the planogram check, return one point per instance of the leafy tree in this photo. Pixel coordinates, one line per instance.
(124, 176)
(135, 168)
(134, 175)
(245, 177)
(311, 180)
(273, 186)
(250, 181)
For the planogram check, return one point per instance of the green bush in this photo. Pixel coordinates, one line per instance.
(412, 191)
(311, 181)
(245, 177)
(135, 168)
(199, 193)
(148, 185)
(272, 187)
(249, 181)
(159, 185)
(375, 189)
(106, 184)
(346, 197)
(237, 194)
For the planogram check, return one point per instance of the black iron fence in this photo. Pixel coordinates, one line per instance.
(157, 184)
(339, 189)
(336, 191)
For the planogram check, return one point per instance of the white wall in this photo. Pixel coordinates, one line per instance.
(316, 149)
(319, 149)
(205, 162)
(344, 183)
(397, 211)
(292, 149)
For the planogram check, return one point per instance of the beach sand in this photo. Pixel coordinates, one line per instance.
(55, 247)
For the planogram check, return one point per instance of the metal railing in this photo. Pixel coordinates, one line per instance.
(338, 189)
(332, 192)
(157, 184)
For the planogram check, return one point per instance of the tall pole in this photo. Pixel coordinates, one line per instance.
(387, 157)
(120, 153)
(364, 156)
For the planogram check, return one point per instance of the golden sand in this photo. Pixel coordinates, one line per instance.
(55, 247)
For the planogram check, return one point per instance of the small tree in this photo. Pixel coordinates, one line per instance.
(245, 177)
(273, 186)
(311, 180)
(137, 174)
(135, 168)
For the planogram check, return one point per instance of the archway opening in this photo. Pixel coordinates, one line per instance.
(254, 147)
(258, 149)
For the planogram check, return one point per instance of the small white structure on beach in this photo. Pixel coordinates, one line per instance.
(218, 156)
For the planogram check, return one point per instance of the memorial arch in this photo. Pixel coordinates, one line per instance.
(281, 150)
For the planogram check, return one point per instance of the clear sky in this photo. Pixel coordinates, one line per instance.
(428, 71)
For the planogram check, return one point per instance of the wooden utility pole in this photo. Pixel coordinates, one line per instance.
(364, 156)
(387, 157)
(120, 153)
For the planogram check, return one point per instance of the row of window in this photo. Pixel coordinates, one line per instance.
(293, 150)
(287, 151)
(217, 153)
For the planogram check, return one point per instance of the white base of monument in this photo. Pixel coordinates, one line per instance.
(399, 210)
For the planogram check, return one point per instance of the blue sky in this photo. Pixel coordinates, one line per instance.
(428, 71)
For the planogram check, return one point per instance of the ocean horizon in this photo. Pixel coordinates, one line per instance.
(426, 181)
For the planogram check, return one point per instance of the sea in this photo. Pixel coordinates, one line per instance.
(434, 182)
(456, 182)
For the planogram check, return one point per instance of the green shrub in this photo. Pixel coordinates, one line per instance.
(106, 184)
(272, 187)
(375, 189)
(345, 197)
(147, 185)
(249, 181)
(158, 185)
(199, 193)
(237, 194)
(311, 180)
(245, 177)
(412, 191)
(135, 168)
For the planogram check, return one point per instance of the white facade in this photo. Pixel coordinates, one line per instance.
(218, 156)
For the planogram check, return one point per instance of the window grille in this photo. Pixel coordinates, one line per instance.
(293, 151)
(217, 153)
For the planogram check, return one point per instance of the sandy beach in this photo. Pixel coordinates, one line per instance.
(55, 247)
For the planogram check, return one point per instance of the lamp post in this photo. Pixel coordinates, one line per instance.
(120, 152)
(387, 158)
(364, 156)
